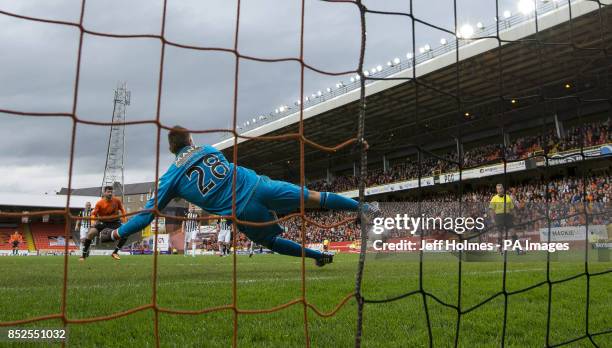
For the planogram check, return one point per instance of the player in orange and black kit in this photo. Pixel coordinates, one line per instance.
(111, 208)
(15, 240)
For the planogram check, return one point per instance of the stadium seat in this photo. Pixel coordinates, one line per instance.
(43, 234)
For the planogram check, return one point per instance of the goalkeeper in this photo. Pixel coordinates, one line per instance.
(203, 176)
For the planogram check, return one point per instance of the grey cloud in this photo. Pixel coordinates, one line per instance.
(38, 65)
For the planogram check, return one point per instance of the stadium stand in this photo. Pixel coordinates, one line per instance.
(566, 202)
(49, 236)
(34, 230)
(595, 133)
(5, 234)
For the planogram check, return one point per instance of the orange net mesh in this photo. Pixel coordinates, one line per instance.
(357, 140)
(299, 137)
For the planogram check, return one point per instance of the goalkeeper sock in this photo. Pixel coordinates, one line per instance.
(120, 245)
(86, 245)
(291, 248)
(334, 201)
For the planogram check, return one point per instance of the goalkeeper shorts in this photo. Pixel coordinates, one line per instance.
(269, 197)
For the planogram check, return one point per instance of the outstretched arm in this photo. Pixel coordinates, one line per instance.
(165, 192)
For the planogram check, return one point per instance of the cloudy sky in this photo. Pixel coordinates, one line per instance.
(38, 64)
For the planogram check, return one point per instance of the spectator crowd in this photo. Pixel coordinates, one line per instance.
(590, 134)
(568, 201)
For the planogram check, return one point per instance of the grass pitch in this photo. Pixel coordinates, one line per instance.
(31, 286)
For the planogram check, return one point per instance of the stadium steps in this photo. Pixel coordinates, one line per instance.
(27, 234)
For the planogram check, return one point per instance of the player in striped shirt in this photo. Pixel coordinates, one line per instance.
(224, 237)
(82, 226)
(192, 226)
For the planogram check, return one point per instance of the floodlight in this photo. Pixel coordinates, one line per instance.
(466, 31)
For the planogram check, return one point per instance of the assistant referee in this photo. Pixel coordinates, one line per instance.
(501, 208)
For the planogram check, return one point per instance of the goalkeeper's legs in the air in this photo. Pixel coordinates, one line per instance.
(268, 236)
(282, 197)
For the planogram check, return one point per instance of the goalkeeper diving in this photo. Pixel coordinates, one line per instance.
(203, 176)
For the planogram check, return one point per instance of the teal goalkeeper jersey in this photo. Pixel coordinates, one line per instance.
(202, 176)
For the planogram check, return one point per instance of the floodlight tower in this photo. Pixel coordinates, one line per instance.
(113, 170)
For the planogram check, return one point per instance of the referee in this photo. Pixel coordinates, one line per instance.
(501, 208)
